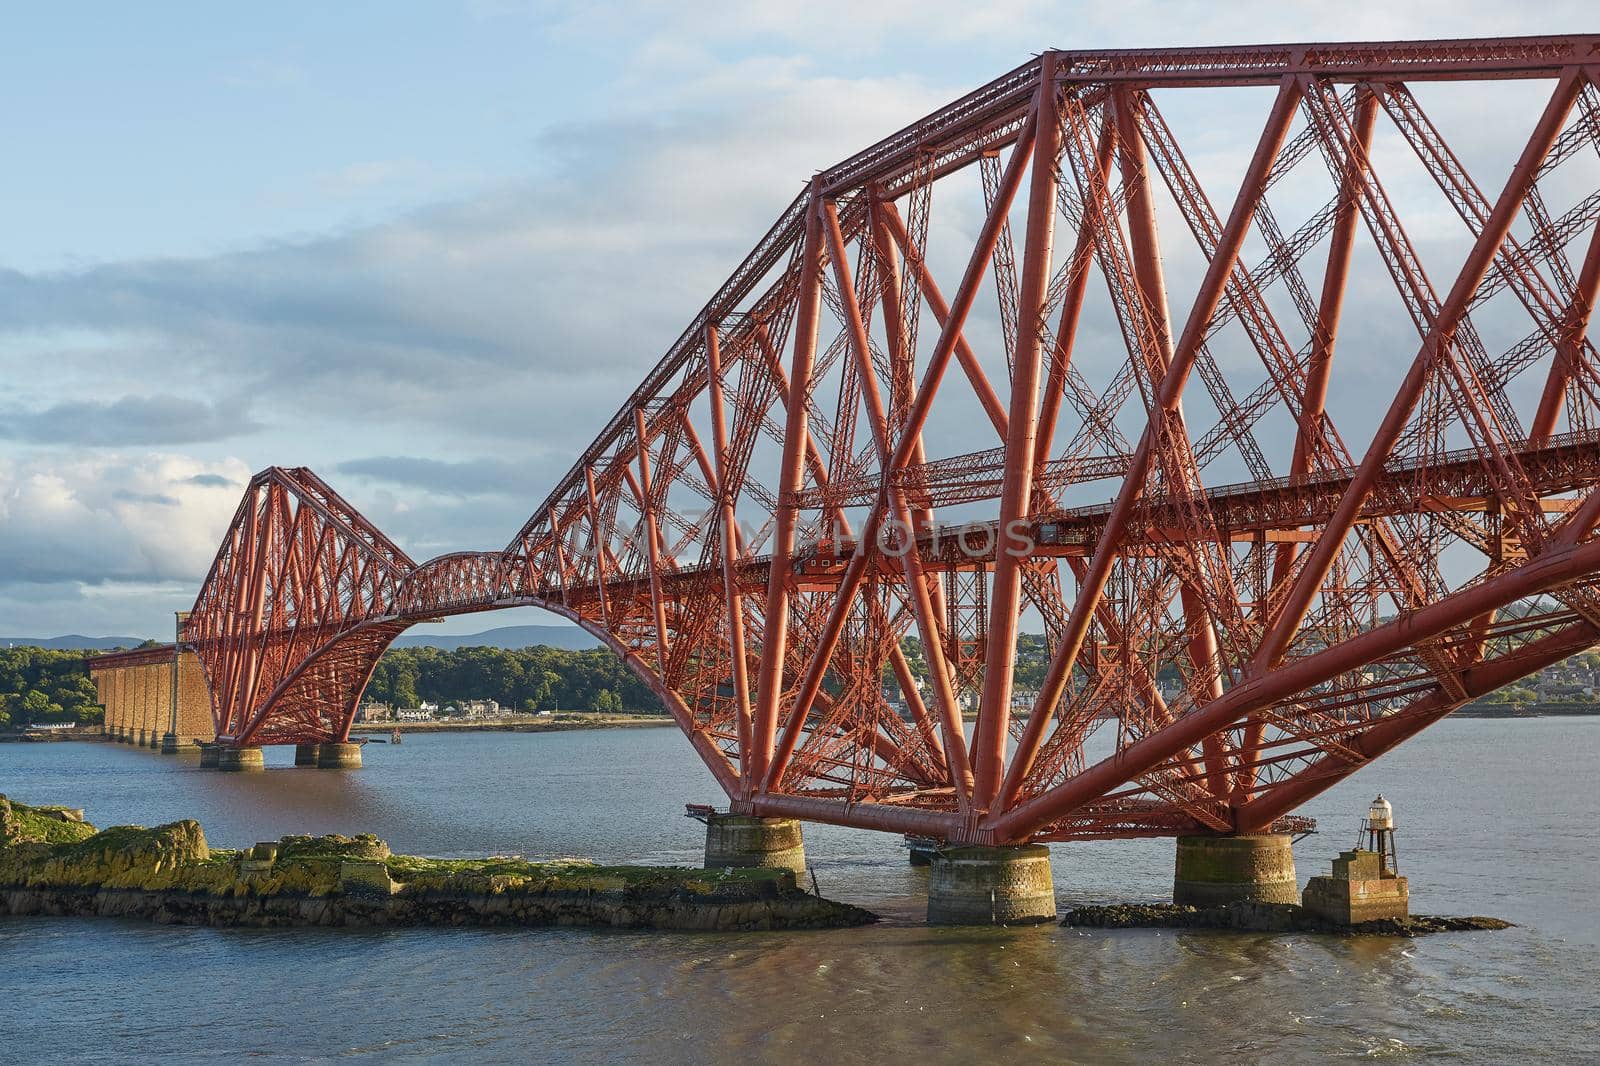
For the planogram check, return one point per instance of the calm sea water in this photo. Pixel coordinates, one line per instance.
(1495, 818)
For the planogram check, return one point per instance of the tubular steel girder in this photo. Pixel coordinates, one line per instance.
(820, 547)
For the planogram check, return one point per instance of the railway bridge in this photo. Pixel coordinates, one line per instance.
(1337, 478)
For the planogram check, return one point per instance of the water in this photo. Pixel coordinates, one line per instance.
(1495, 818)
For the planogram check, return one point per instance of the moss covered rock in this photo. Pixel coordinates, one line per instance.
(124, 856)
(52, 864)
(22, 824)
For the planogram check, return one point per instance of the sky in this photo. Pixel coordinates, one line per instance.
(428, 249)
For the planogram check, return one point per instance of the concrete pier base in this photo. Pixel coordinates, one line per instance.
(991, 886)
(306, 754)
(209, 754)
(1255, 868)
(741, 840)
(155, 740)
(240, 759)
(169, 743)
(138, 739)
(336, 756)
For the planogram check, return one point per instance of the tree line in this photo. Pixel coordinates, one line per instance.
(40, 685)
(523, 679)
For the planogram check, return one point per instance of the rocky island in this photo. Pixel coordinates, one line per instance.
(1262, 918)
(54, 863)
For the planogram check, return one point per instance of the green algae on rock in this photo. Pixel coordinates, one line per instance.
(170, 874)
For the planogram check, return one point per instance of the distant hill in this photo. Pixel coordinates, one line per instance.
(74, 642)
(512, 637)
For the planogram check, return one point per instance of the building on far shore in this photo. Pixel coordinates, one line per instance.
(373, 711)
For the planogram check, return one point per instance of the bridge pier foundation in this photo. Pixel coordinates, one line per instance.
(240, 759)
(209, 754)
(169, 744)
(337, 756)
(154, 741)
(1255, 867)
(742, 840)
(991, 886)
(306, 754)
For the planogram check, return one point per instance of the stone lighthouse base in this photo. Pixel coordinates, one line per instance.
(1359, 890)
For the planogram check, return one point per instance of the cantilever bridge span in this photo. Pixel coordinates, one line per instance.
(1273, 519)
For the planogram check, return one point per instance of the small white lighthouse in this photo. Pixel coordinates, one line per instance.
(1379, 833)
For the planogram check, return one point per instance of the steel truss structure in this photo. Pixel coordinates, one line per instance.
(836, 456)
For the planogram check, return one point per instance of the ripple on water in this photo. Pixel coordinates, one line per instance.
(1025, 995)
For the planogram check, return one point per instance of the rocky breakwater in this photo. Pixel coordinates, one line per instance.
(1257, 917)
(51, 864)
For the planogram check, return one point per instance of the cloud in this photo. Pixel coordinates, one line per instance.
(522, 315)
(129, 420)
(472, 477)
(212, 481)
(94, 518)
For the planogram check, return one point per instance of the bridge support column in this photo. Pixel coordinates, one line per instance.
(209, 754)
(169, 744)
(338, 756)
(1256, 867)
(155, 740)
(991, 886)
(240, 759)
(306, 754)
(742, 840)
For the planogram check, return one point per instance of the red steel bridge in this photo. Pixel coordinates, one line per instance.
(1340, 478)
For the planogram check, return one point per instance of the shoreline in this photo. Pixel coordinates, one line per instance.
(554, 724)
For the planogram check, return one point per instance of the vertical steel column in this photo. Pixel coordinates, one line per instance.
(1152, 282)
(732, 596)
(598, 545)
(648, 505)
(1347, 218)
(1016, 491)
(1072, 308)
(775, 644)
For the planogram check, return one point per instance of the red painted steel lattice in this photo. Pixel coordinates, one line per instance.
(1241, 604)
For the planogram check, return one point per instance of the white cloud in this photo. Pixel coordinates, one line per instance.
(98, 518)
